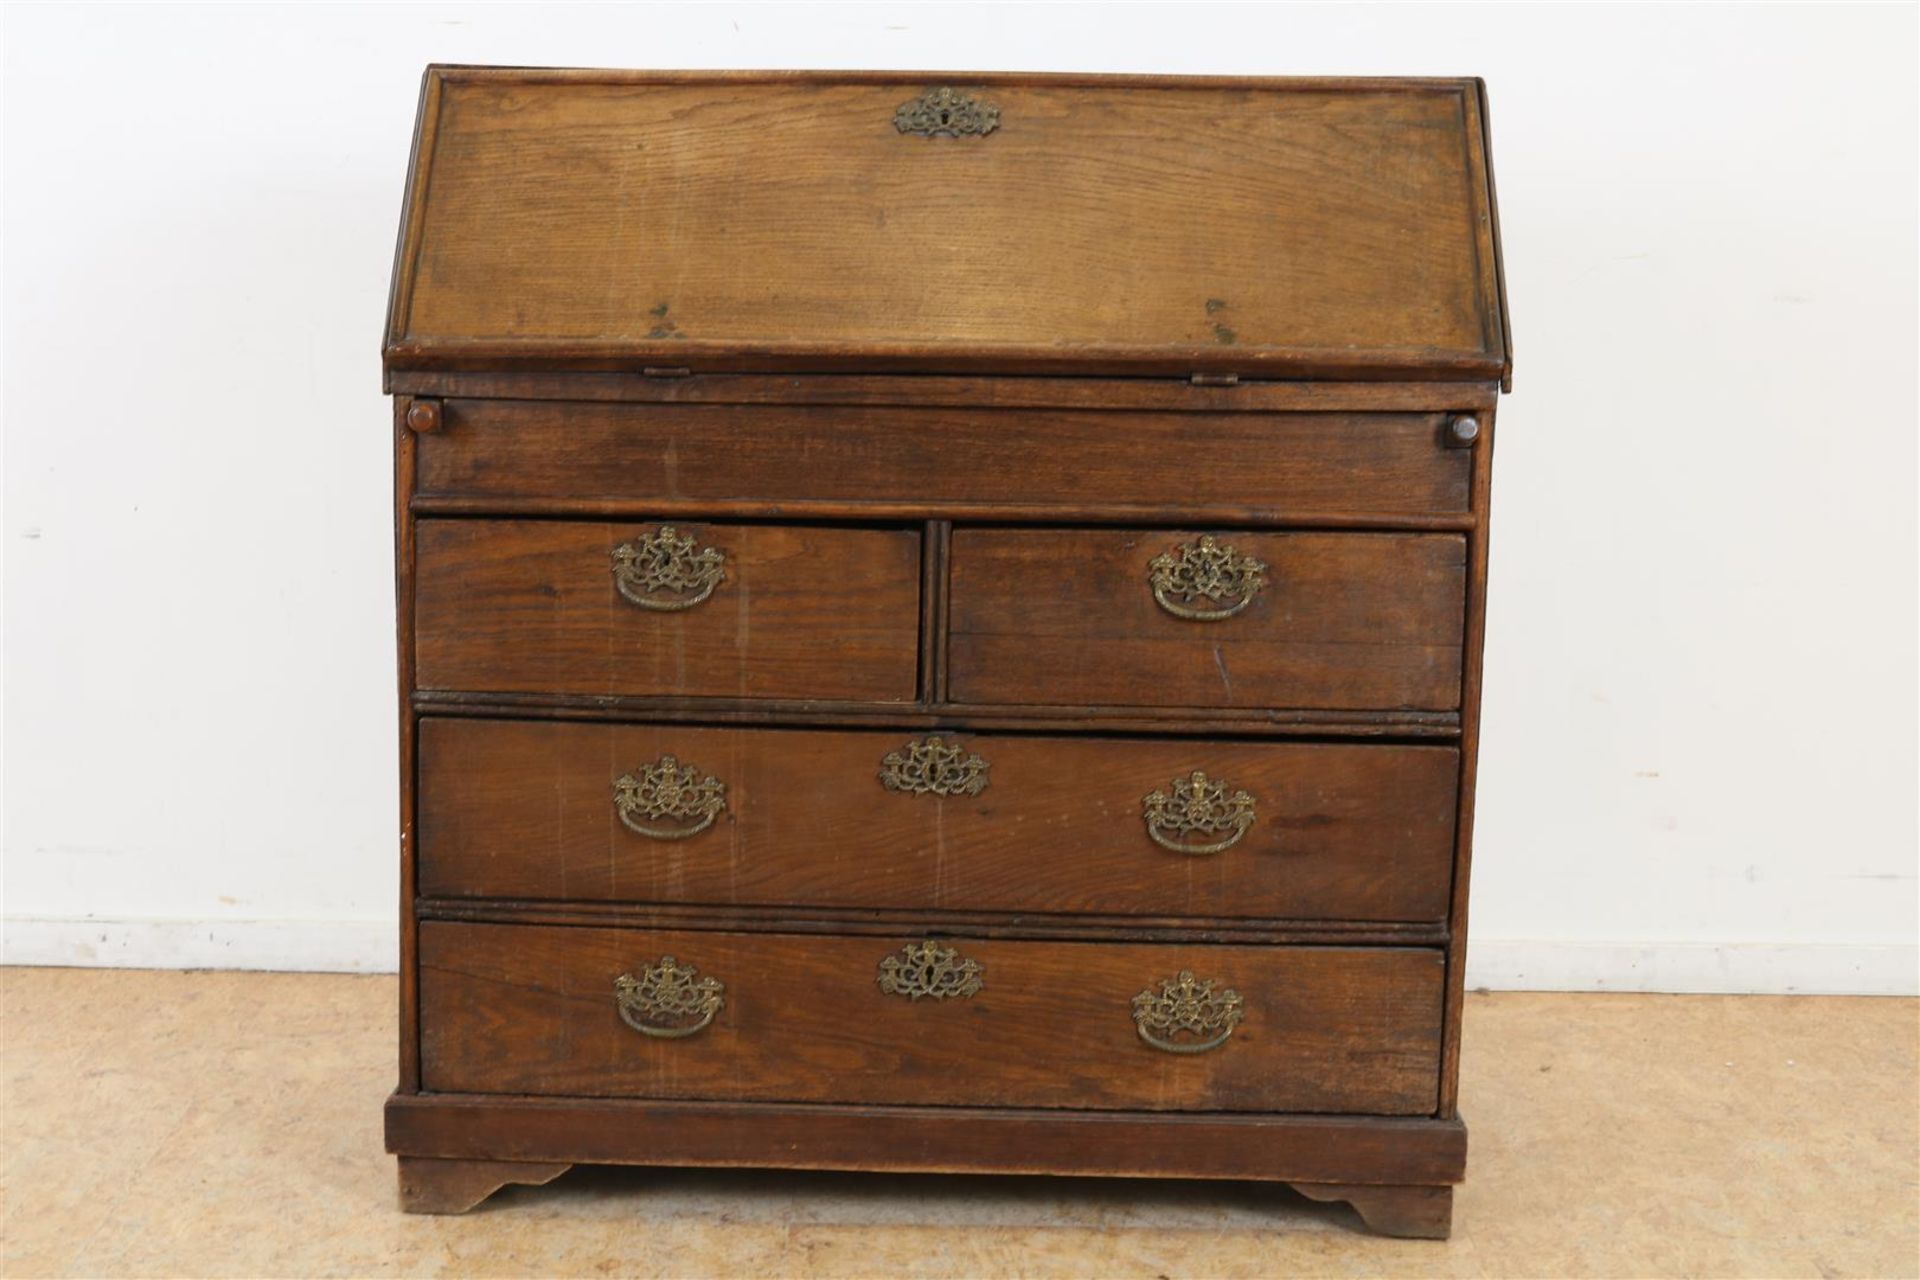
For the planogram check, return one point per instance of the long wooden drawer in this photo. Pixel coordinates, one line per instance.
(740, 611)
(535, 810)
(537, 1010)
(1168, 618)
(1298, 463)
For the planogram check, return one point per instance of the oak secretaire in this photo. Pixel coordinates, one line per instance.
(940, 625)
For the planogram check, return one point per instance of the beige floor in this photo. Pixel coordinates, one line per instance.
(168, 1124)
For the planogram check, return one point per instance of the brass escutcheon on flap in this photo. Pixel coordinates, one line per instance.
(1204, 580)
(671, 791)
(668, 1000)
(1187, 1006)
(947, 112)
(1197, 805)
(666, 571)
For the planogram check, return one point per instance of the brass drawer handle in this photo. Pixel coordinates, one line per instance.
(946, 111)
(670, 790)
(1204, 570)
(660, 1001)
(1197, 805)
(929, 970)
(662, 571)
(930, 767)
(1187, 1006)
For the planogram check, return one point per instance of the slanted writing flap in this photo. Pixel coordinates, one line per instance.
(952, 223)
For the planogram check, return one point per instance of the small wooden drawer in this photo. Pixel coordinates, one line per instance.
(906, 1021)
(1321, 621)
(651, 609)
(1171, 827)
(943, 459)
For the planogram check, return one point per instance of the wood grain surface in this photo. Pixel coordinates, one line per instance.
(509, 1009)
(524, 810)
(1345, 620)
(531, 606)
(783, 221)
(1301, 464)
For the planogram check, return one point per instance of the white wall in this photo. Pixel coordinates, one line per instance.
(1699, 764)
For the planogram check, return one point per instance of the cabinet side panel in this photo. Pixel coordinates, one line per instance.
(403, 460)
(1472, 653)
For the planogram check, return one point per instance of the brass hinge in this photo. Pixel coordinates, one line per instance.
(1215, 379)
(668, 371)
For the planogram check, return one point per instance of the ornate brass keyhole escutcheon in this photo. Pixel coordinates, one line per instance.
(947, 112)
(667, 571)
(1205, 580)
(1189, 1007)
(671, 792)
(927, 970)
(934, 767)
(1197, 805)
(668, 1000)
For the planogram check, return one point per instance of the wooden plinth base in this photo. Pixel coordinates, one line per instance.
(1397, 1174)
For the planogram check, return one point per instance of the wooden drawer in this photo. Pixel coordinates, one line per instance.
(1074, 617)
(534, 1010)
(531, 606)
(939, 458)
(527, 810)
